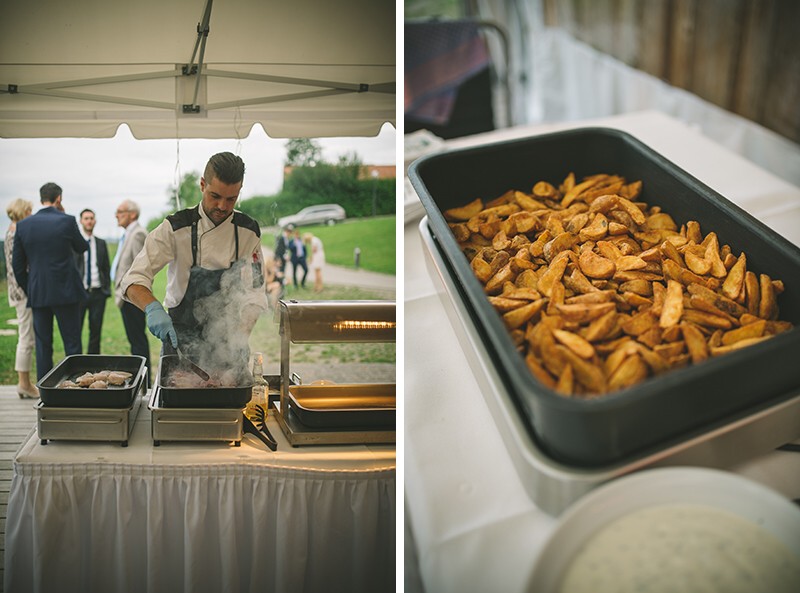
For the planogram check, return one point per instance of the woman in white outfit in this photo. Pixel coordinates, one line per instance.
(316, 255)
(17, 210)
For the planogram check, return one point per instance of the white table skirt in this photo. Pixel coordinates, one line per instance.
(200, 517)
(475, 526)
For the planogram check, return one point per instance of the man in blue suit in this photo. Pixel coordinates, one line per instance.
(44, 265)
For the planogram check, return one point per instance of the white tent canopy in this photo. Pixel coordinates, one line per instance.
(300, 68)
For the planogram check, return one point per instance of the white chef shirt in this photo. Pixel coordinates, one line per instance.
(216, 248)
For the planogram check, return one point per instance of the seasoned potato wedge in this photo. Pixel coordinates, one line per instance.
(600, 290)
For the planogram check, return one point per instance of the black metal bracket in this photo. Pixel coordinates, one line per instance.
(191, 108)
(189, 70)
(12, 88)
(363, 88)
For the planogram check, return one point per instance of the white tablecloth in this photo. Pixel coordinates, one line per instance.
(475, 526)
(200, 517)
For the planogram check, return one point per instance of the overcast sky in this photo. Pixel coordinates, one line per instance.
(100, 173)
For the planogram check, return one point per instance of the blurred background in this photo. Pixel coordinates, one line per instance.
(729, 67)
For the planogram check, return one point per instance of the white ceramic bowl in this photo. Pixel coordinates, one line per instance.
(656, 487)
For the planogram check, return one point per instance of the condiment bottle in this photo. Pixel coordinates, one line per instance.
(259, 394)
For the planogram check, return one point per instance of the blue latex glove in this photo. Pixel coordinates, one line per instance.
(160, 323)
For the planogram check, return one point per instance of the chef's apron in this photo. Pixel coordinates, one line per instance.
(202, 283)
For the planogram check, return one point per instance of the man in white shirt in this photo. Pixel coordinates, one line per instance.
(131, 243)
(94, 267)
(215, 278)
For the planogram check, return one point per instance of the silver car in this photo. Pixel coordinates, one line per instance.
(328, 214)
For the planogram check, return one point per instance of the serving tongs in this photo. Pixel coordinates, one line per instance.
(261, 431)
(194, 367)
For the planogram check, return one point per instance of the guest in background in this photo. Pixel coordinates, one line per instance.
(44, 266)
(316, 255)
(95, 271)
(282, 248)
(131, 243)
(273, 282)
(297, 251)
(17, 210)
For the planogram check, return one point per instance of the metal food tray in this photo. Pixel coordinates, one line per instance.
(554, 485)
(298, 433)
(344, 405)
(77, 364)
(595, 432)
(86, 424)
(194, 397)
(193, 424)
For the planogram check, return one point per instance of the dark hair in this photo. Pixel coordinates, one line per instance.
(225, 166)
(85, 210)
(49, 192)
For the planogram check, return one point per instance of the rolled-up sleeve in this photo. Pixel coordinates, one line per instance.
(158, 251)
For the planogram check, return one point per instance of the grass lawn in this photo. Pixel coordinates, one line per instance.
(263, 339)
(374, 236)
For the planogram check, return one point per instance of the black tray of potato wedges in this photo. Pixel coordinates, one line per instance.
(585, 431)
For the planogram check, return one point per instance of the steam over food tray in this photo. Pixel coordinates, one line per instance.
(61, 387)
(181, 388)
(663, 260)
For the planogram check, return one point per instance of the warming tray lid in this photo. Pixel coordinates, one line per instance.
(338, 321)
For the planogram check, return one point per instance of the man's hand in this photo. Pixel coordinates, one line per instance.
(160, 323)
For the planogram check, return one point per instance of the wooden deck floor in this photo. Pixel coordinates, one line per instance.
(17, 417)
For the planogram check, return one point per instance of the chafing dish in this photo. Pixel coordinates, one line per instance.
(554, 485)
(657, 413)
(193, 423)
(326, 413)
(199, 397)
(82, 414)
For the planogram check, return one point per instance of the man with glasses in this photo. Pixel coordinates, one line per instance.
(131, 243)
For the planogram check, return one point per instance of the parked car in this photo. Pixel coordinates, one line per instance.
(328, 214)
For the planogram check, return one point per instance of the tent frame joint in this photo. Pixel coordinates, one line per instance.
(12, 89)
(191, 108)
(189, 69)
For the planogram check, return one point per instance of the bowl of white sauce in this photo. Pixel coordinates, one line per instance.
(682, 529)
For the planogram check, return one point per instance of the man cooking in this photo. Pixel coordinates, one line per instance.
(215, 270)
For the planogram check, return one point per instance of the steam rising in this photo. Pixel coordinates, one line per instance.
(228, 317)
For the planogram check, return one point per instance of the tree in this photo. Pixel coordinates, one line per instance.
(189, 192)
(303, 152)
(186, 195)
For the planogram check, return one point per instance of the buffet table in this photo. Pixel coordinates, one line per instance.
(475, 525)
(200, 517)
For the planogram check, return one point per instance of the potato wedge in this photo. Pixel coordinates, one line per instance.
(465, 212)
(574, 342)
(734, 282)
(672, 309)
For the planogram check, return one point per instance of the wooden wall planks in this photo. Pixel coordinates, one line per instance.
(742, 55)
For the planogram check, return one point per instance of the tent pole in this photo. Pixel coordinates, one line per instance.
(203, 29)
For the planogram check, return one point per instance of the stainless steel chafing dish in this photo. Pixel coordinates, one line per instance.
(90, 414)
(327, 413)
